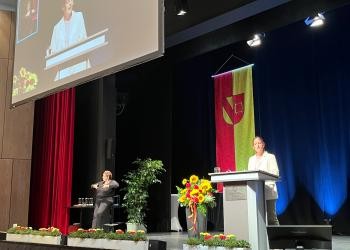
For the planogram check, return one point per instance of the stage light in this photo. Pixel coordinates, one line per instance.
(181, 7)
(256, 41)
(317, 21)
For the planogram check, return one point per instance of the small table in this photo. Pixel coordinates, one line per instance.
(81, 207)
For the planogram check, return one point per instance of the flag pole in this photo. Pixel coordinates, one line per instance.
(249, 65)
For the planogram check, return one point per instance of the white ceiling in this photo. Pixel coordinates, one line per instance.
(8, 5)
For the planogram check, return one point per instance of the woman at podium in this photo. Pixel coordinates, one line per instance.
(105, 190)
(262, 160)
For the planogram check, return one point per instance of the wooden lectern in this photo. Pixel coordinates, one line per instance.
(244, 205)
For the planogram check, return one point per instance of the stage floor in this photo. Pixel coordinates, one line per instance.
(175, 240)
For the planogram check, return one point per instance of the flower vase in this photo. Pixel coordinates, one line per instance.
(201, 224)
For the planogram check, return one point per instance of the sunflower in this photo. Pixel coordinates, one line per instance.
(206, 186)
(194, 179)
(22, 72)
(182, 198)
(200, 198)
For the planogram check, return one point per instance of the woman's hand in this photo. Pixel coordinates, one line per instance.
(94, 186)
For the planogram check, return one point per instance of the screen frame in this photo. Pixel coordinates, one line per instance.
(308, 236)
(103, 73)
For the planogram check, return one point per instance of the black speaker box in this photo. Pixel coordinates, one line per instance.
(157, 245)
(2, 235)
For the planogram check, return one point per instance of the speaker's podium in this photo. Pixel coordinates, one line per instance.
(244, 205)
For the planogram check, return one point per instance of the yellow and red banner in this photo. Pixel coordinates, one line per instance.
(234, 118)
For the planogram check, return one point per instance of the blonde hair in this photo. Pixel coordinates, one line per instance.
(108, 174)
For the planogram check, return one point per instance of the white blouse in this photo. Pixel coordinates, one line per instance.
(267, 162)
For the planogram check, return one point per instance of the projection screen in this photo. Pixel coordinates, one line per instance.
(63, 43)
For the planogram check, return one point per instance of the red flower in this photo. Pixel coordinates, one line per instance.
(208, 237)
(188, 185)
(222, 237)
(195, 186)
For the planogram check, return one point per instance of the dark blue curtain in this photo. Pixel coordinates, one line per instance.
(301, 89)
(302, 79)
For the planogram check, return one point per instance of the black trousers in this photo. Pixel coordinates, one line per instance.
(101, 212)
(271, 212)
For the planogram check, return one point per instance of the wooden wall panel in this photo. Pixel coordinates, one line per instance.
(5, 194)
(5, 31)
(16, 131)
(20, 192)
(3, 79)
(12, 36)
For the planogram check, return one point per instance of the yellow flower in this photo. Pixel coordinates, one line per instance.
(200, 198)
(194, 179)
(184, 181)
(182, 198)
(22, 72)
(206, 186)
(183, 191)
(194, 192)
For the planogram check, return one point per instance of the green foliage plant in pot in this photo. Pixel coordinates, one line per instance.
(137, 184)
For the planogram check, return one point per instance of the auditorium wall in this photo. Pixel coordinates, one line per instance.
(16, 129)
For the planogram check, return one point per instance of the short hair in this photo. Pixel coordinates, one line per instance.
(108, 174)
(259, 137)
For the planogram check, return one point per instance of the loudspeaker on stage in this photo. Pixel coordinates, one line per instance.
(157, 245)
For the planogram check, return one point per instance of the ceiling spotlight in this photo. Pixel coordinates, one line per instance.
(316, 21)
(256, 41)
(181, 7)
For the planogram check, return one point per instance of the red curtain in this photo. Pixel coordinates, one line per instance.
(52, 161)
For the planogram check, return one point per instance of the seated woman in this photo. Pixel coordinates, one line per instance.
(104, 198)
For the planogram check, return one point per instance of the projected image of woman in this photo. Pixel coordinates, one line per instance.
(69, 30)
(262, 160)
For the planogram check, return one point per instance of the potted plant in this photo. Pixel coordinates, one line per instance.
(97, 238)
(137, 183)
(196, 195)
(49, 235)
(207, 241)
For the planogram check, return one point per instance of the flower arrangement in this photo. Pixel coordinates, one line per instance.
(197, 195)
(218, 240)
(50, 231)
(138, 235)
(24, 82)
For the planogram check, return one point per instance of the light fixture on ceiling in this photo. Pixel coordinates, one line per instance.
(316, 21)
(256, 40)
(181, 7)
